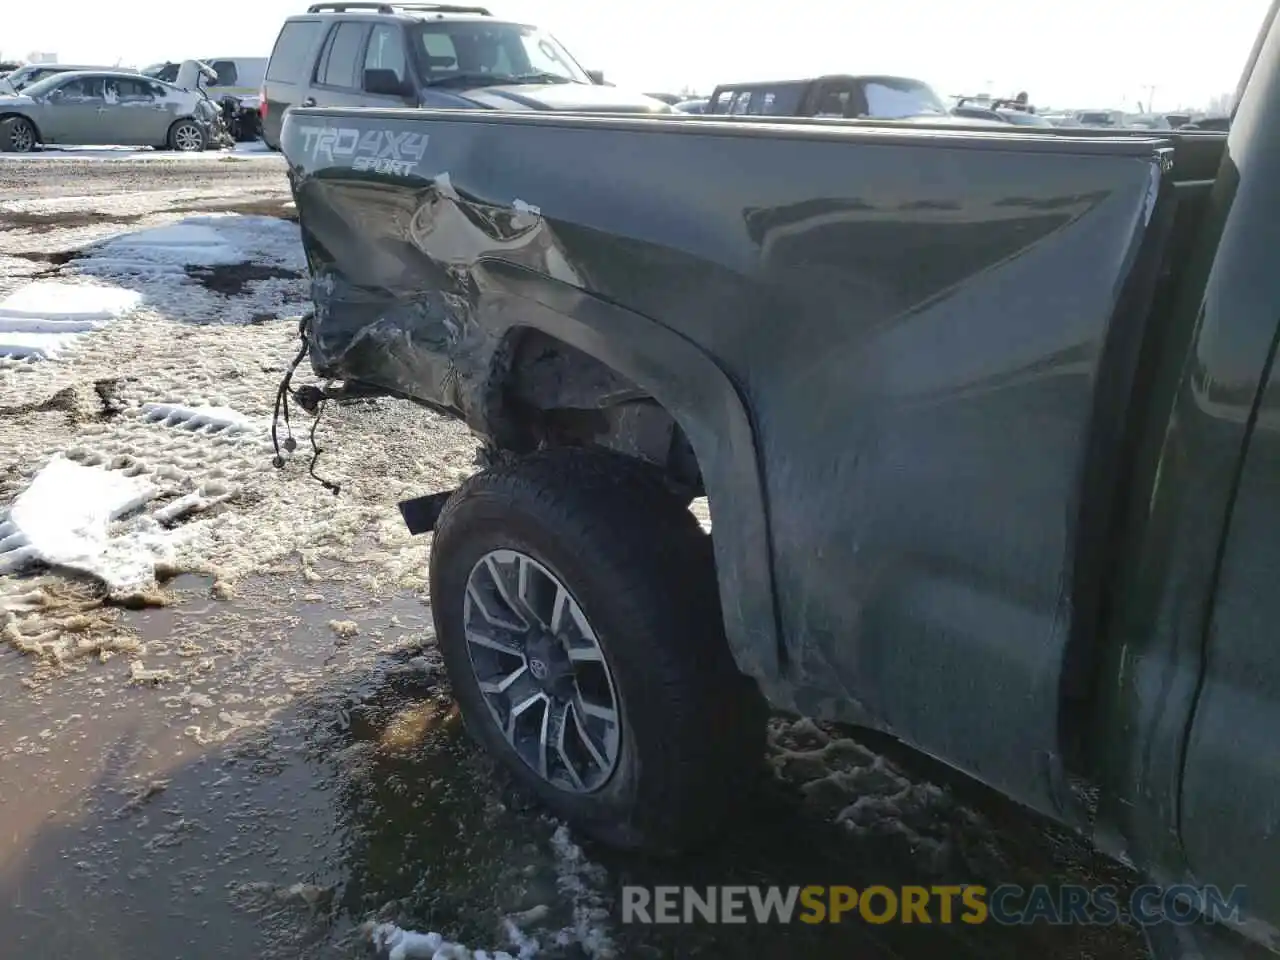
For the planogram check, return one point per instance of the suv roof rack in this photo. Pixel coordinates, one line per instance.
(342, 6)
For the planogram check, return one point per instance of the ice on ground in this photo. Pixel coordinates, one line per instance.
(55, 300)
(35, 346)
(242, 151)
(201, 419)
(580, 884)
(64, 519)
(166, 265)
(188, 243)
(207, 364)
(409, 945)
(42, 320)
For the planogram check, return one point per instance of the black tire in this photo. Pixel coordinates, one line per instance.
(17, 135)
(187, 136)
(642, 571)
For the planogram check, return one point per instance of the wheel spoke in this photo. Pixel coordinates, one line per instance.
(543, 737)
(564, 754)
(490, 642)
(500, 584)
(482, 604)
(590, 654)
(607, 714)
(524, 588)
(517, 710)
(587, 742)
(489, 686)
(558, 608)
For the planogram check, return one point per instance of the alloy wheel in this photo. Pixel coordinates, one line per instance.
(22, 138)
(187, 137)
(542, 671)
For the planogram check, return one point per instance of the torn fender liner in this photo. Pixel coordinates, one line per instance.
(421, 513)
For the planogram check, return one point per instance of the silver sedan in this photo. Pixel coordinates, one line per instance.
(97, 108)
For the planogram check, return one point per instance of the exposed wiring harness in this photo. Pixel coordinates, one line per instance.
(310, 399)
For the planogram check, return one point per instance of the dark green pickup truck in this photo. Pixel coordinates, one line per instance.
(987, 419)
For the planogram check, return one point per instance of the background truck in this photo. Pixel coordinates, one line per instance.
(373, 54)
(988, 420)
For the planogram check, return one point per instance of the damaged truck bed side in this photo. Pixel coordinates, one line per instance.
(985, 420)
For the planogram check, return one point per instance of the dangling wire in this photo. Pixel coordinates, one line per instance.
(334, 488)
(284, 394)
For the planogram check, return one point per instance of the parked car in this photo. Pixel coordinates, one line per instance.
(989, 425)
(1020, 118)
(700, 105)
(1096, 118)
(671, 99)
(23, 77)
(1208, 123)
(234, 76)
(849, 97)
(105, 108)
(235, 84)
(430, 55)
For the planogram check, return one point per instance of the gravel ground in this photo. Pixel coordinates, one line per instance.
(260, 757)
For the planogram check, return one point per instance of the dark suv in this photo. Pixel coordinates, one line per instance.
(430, 55)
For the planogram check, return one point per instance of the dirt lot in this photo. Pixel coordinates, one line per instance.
(257, 756)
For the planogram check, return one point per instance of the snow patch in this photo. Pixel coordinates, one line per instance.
(162, 263)
(54, 300)
(201, 419)
(191, 242)
(44, 319)
(409, 945)
(578, 880)
(65, 517)
(243, 151)
(35, 346)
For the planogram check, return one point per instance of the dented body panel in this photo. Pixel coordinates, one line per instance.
(987, 420)
(887, 367)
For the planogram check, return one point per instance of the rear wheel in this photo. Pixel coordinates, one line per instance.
(186, 136)
(578, 614)
(17, 135)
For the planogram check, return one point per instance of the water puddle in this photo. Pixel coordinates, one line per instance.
(265, 775)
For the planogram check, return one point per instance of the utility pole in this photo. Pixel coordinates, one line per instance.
(1151, 97)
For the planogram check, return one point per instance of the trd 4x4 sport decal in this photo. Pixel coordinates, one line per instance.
(382, 151)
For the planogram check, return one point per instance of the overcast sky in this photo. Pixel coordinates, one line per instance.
(1079, 53)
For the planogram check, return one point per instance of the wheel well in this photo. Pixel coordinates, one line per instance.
(34, 126)
(550, 394)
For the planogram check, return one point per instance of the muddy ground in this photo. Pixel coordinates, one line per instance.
(261, 756)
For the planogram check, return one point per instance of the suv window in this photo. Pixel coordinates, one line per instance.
(834, 103)
(288, 58)
(386, 51)
(226, 71)
(338, 59)
(762, 103)
(892, 99)
(473, 51)
(720, 102)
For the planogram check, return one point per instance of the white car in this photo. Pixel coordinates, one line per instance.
(106, 107)
(24, 76)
